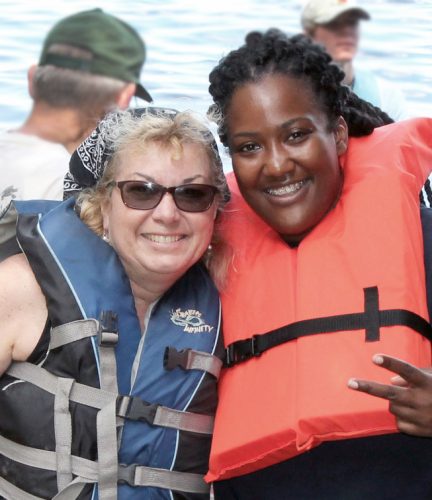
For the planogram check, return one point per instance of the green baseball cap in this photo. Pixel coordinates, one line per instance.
(116, 48)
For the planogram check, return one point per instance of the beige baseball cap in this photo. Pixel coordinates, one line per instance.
(324, 11)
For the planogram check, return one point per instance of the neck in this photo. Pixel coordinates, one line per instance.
(348, 69)
(60, 126)
(148, 290)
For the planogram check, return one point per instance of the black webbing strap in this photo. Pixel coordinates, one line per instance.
(372, 324)
(371, 320)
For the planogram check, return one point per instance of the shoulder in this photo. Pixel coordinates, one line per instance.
(22, 310)
(39, 166)
(19, 288)
(15, 266)
(381, 92)
(393, 100)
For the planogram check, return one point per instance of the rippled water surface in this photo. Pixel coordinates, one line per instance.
(186, 38)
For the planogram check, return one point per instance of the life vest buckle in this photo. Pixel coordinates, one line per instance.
(108, 329)
(126, 474)
(174, 358)
(242, 350)
(134, 408)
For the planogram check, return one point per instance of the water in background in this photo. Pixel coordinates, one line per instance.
(186, 38)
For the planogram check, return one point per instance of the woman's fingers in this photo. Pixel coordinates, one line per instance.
(389, 392)
(410, 373)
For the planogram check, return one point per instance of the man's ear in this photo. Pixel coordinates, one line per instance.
(30, 75)
(125, 95)
(341, 136)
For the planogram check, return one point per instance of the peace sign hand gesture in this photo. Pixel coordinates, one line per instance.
(409, 394)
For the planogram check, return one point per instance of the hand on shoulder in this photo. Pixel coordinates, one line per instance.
(23, 311)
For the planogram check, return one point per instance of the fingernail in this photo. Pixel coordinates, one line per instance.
(353, 384)
(378, 360)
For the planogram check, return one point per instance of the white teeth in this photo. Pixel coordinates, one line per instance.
(160, 238)
(289, 188)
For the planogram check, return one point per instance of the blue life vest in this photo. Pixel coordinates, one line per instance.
(161, 415)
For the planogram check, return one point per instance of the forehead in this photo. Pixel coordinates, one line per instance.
(345, 19)
(160, 161)
(274, 97)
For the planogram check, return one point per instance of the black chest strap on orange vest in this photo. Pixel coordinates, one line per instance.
(370, 320)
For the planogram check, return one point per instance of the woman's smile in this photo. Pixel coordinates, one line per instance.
(163, 239)
(289, 191)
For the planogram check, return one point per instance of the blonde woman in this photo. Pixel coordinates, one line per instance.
(111, 338)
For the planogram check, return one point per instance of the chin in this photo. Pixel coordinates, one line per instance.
(167, 267)
(345, 57)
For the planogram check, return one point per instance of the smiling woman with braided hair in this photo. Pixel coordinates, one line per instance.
(328, 272)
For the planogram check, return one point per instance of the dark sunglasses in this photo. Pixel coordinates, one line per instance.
(142, 195)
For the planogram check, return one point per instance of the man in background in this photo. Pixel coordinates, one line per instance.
(90, 64)
(335, 24)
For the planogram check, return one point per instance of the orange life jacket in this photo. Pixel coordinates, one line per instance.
(294, 396)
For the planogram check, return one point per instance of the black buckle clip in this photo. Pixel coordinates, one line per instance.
(134, 408)
(126, 474)
(174, 358)
(242, 350)
(108, 329)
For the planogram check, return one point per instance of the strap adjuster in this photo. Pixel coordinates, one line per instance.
(108, 329)
(243, 350)
(126, 474)
(134, 408)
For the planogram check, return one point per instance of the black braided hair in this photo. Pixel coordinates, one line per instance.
(273, 52)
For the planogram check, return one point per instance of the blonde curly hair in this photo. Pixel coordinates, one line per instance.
(131, 134)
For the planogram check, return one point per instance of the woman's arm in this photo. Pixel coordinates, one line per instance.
(23, 311)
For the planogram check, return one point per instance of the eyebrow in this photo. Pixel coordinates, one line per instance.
(188, 180)
(286, 124)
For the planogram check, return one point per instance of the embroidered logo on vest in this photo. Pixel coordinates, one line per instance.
(191, 321)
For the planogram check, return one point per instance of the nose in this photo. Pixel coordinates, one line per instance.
(278, 161)
(167, 211)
